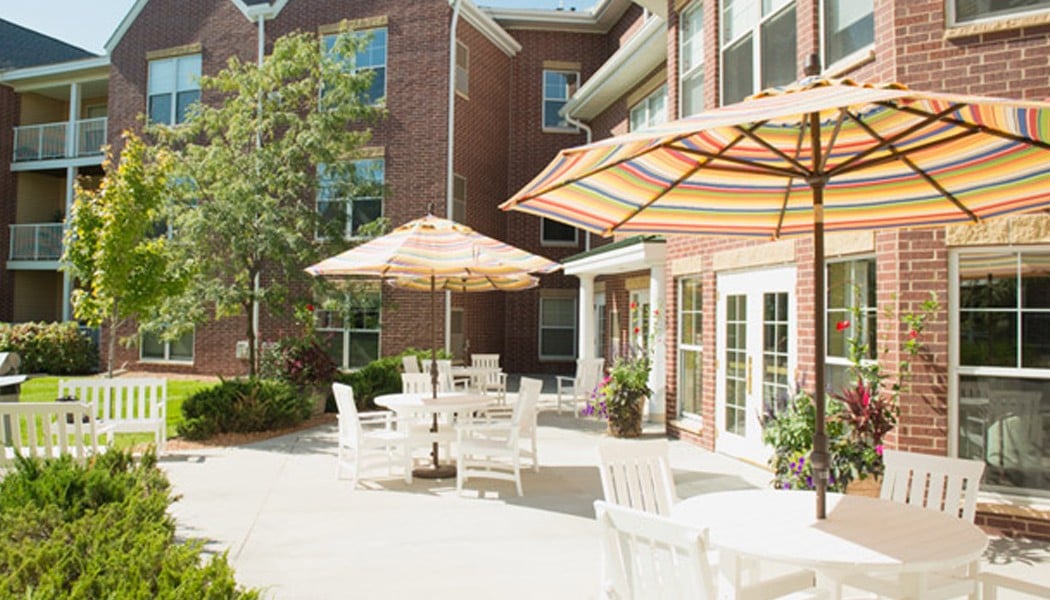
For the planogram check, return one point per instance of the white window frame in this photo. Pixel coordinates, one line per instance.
(348, 201)
(690, 72)
(640, 307)
(756, 43)
(574, 328)
(324, 320)
(354, 68)
(177, 86)
(831, 360)
(459, 198)
(573, 85)
(167, 351)
(953, 21)
(601, 324)
(688, 347)
(462, 69)
(646, 112)
(852, 56)
(554, 242)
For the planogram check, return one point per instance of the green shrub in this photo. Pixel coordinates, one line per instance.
(381, 376)
(242, 406)
(99, 530)
(53, 348)
(301, 362)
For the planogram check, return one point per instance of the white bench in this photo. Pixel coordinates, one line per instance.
(46, 430)
(124, 405)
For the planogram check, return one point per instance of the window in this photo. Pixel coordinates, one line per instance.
(638, 320)
(1003, 341)
(851, 316)
(153, 349)
(690, 346)
(462, 68)
(351, 334)
(691, 60)
(372, 57)
(650, 111)
(459, 198)
(352, 197)
(758, 46)
(555, 233)
(849, 25)
(174, 85)
(557, 328)
(558, 86)
(601, 325)
(976, 10)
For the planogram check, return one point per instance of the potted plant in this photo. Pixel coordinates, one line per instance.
(620, 397)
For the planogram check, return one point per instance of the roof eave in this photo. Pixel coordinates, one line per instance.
(74, 69)
(599, 19)
(488, 27)
(631, 254)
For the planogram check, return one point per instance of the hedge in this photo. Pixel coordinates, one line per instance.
(52, 348)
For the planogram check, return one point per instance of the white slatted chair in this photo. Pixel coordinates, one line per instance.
(492, 449)
(493, 381)
(446, 382)
(531, 387)
(938, 483)
(991, 583)
(578, 388)
(420, 383)
(410, 364)
(415, 383)
(359, 433)
(47, 430)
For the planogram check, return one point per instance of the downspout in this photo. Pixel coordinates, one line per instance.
(451, 146)
(571, 120)
(258, 144)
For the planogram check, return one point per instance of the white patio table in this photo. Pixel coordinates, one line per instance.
(859, 535)
(447, 403)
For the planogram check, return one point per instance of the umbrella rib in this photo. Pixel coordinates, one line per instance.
(891, 158)
(787, 188)
(930, 119)
(777, 151)
(972, 126)
(752, 168)
(834, 138)
(918, 171)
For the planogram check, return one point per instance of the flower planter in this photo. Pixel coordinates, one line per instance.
(868, 486)
(629, 425)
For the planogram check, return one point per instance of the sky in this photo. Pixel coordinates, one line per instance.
(89, 23)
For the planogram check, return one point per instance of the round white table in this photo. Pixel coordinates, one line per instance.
(446, 403)
(859, 535)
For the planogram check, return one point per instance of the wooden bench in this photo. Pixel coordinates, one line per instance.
(46, 430)
(124, 405)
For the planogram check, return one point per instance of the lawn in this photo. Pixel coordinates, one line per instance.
(45, 389)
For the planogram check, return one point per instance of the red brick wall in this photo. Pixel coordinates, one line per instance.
(10, 105)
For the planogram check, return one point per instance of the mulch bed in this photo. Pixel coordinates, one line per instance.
(239, 439)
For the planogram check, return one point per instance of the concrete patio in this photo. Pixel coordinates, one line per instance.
(293, 530)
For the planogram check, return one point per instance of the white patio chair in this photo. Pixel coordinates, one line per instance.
(493, 381)
(415, 383)
(938, 483)
(578, 388)
(410, 364)
(531, 387)
(492, 448)
(446, 382)
(359, 433)
(419, 425)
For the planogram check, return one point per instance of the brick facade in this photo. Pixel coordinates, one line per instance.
(9, 110)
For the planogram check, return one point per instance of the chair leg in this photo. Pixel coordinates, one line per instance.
(535, 455)
(517, 473)
(460, 469)
(407, 462)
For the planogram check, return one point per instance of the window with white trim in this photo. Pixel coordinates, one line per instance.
(691, 60)
(372, 57)
(556, 233)
(1002, 336)
(173, 86)
(351, 335)
(690, 346)
(462, 68)
(852, 317)
(849, 26)
(557, 328)
(759, 46)
(351, 197)
(459, 198)
(154, 349)
(650, 111)
(558, 87)
(967, 11)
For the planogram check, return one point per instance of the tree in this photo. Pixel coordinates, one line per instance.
(247, 224)
(113, 248)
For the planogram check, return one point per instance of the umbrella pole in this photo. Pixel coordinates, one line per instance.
(819, 459)
(433, 366)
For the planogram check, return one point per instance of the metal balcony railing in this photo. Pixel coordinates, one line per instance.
(36, 241)
(48, 140)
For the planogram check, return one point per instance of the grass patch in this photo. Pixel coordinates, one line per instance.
(45, 389)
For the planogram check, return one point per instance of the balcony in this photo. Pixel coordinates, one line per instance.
(36, 242)
(48, 141)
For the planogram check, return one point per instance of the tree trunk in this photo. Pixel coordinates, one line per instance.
(111, 353)
(252, 358)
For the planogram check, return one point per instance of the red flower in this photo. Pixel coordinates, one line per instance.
(913, 334)
(634, 305)
(842, 325)
(310, 307)
(637, 330)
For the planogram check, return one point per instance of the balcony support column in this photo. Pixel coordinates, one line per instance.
(585, 308)
(74, 116)
(67, 280)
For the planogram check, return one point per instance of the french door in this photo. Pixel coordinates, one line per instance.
(757, 347)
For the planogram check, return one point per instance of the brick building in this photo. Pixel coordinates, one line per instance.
(530, 82)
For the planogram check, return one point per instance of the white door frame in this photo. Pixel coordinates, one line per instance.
(753, 285)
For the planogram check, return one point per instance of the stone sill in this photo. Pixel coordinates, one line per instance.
(992, 26)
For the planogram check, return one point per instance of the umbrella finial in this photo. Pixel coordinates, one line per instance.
(812, 66)
(430, 209)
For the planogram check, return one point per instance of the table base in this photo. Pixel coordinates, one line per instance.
(440, 472)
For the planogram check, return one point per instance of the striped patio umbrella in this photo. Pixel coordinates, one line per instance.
(824, 155)
(432, 254)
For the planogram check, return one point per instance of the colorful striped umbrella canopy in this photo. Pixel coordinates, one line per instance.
(824, 155)
(477, 283)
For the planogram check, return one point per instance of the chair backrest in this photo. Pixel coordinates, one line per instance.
(947, 485)
(410, 364)
(487, 361)
(444, 374)
(588, 374)
(47, 430)
(350, 432)
(415, 383)
(649, 556)
(637, 474)
(524, 415)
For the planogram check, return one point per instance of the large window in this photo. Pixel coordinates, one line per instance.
(558, 328)
(691, 60)
(174, 85)
(690, 346)
(153, 349)
(851, 317)
(459, 198)
(849, 25)
(1003, 373)
(650, 111)
(351, 197)
(351, 334)
(558, 86)
(758, 46)
(462, 68)
(965, 11)
(372, 57)
(555, 233)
